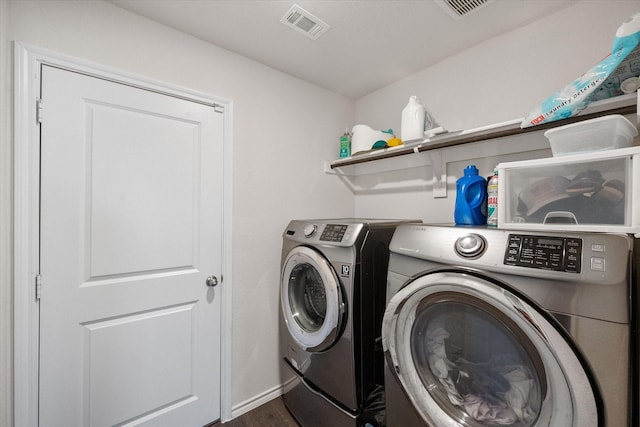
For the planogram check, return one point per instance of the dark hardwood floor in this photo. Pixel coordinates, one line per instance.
(271, 414)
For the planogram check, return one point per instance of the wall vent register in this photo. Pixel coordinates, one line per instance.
(546, 253)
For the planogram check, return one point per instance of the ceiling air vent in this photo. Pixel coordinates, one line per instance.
(304, 22)
(461, 8)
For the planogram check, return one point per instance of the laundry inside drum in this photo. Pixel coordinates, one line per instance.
(307, 297)
(475, 367)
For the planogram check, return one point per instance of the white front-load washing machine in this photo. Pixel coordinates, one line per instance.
(333, 283)
(488, 327)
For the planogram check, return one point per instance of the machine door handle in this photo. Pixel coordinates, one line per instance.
(212, 281)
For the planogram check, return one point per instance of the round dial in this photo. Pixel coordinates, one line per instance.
(470, 246)
(309, 230)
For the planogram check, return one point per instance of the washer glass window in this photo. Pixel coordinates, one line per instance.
(307, 297)
(311, 299)
(476, 363)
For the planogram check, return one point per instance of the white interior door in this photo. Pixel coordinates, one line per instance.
(131, 223)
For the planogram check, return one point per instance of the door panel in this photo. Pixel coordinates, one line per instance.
(141, 185)
(130, 229)
(140, 346)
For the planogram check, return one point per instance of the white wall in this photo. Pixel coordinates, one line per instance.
(283, 130)
(501, 79)
(6, 287)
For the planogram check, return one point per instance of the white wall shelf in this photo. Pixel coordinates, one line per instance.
(435, 153)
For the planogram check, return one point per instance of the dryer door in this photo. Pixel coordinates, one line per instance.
(311, 299)
(468, 351)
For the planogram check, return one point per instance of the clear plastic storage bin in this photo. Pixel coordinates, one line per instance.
(586, 192)
(599, 134)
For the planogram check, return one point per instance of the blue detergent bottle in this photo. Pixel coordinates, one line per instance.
(471, 195)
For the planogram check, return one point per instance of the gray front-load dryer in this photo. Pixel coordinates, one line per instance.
(333, 283)
(488, 327)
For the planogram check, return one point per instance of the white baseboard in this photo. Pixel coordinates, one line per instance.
(254, 402)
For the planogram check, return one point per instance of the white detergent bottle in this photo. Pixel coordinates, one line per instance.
(413, 121)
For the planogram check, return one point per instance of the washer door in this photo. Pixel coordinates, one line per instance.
(469, 352)
(311, 299)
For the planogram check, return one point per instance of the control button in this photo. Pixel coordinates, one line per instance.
(309, 230)
(597, 263)
(597, 247)
(542, 263)
(514, 241)
(572, 268)
(574, 242)
(469, 246)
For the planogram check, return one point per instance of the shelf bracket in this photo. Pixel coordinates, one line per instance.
(439, 168)
(346, 179)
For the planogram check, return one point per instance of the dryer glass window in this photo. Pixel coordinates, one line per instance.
(476, 363)
(307, 297)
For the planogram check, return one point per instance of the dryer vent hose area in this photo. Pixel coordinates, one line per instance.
(373, 411)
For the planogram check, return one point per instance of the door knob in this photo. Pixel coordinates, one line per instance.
(212, 281)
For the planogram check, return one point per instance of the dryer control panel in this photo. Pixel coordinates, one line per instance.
(339, 234)
(547, 253)
(333, 233)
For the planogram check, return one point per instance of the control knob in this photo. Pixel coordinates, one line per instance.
(309, 230)
(470, 246)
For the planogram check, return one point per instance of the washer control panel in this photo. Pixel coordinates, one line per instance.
(333, 233)
(547, 253)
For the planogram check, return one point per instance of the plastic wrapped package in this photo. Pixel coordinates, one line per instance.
(594, 84)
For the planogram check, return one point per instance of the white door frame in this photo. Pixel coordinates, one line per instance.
(28, 60)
